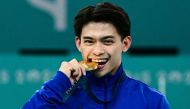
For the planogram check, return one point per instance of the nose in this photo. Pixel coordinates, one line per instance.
(98, 50)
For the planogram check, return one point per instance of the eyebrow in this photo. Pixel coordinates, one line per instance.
(103, 38)
(87, 37)
(107, 37)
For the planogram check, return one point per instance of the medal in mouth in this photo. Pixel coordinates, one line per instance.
(89, 65)
(101, 62)
(93, 64)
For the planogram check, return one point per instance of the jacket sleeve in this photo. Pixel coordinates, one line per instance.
(51, 94)
(163, 104)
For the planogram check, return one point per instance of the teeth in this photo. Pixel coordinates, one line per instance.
(99, 60)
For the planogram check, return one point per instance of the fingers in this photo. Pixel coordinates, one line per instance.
(72, 69)
(79, 70)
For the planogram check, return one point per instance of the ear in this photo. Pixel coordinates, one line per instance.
(126, 43)
(78, 43)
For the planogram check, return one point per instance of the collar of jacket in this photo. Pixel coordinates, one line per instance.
(108, 80)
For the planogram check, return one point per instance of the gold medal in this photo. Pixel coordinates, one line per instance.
(89, 65)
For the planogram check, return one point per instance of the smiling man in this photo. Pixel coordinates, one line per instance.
(100, 42)
(102, 34)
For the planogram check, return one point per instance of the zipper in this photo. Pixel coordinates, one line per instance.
(106, 93)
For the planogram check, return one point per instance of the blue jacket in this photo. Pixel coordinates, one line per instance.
(109, 92)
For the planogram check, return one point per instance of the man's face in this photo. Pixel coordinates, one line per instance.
(100, 42)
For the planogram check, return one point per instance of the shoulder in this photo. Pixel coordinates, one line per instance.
(151, 96)
(134, 84)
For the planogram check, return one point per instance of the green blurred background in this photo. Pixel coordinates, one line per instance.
(37, 35)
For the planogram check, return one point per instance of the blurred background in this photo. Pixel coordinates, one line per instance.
(37, 35)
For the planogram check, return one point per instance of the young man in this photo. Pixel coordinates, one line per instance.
(102, 34)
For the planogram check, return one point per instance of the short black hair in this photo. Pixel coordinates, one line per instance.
(103, 12)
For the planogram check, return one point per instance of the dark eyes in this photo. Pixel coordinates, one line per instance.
(108, 42)
(105, 42)
(88, 41)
